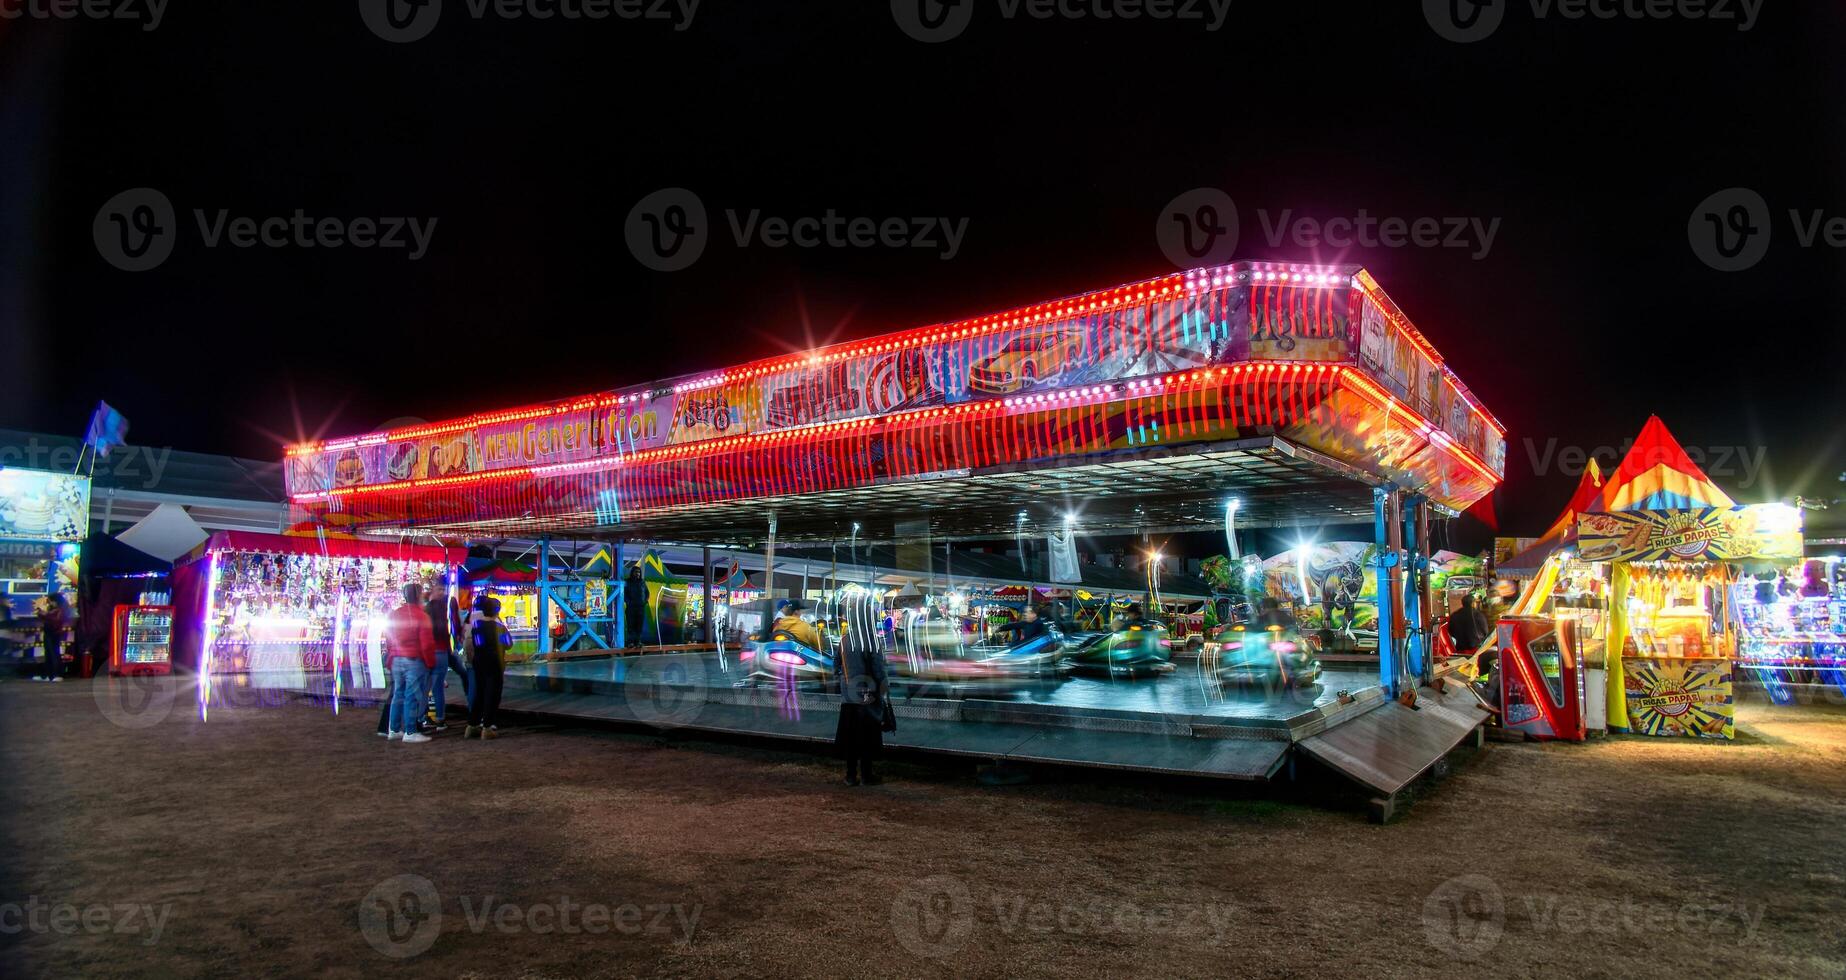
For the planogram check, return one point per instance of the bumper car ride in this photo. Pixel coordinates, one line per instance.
(783, 660)
(1144, 648)
(1001, 659)
(1262, 657)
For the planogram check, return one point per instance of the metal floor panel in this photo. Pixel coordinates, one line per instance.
(1387, 748)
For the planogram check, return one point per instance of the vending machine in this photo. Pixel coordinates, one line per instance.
(1542, 690)
(142, 642)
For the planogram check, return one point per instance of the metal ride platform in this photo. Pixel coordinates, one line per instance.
(1169, 725)
(1243, 396)
(1154, 724)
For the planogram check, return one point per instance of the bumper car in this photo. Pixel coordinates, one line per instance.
(1270, 658)
(1005, 656)
(1134, 650)
(779, 657)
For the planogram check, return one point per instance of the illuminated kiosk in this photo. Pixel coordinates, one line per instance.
(1641, 592)
(1300, 392)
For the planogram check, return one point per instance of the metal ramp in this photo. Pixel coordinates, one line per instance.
(1387, 748)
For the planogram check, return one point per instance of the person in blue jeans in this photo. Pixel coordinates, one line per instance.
(410, 650)
(445, 625)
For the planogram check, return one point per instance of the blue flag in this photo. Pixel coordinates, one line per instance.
(107, 428)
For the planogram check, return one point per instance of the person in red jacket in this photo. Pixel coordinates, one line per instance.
(410, 654)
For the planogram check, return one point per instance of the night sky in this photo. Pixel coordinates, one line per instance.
(1591, 142)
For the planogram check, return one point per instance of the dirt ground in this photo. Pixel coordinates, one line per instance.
(282, 840)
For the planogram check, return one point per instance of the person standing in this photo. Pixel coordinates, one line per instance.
(634, 605)
(1467, 627)
(488, 643)
(865, 707)
(445, 627)
(410, 652)
(52, 623)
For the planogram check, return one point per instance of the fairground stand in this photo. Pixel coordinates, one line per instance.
(1275, 395)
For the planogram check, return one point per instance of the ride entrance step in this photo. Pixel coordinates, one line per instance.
(1388, 747)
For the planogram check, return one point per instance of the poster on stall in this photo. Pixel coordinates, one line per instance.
(1759, 532)
(37, 505)
(1504, 549)
(1675, 697)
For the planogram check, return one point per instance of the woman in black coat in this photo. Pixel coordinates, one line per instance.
(865, 707)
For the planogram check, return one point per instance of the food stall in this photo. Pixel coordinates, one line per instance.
(44, 518)
(1640, 595)
(246, 602)
(1671, 615)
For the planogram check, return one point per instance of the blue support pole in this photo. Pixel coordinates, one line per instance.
(1387, 560)
(1415, 649)
(544, 595)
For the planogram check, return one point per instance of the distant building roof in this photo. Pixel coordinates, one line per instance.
(220, 493)
(162, 470)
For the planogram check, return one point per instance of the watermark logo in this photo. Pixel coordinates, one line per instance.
(1464, 21)
(131, 466)
(935, 21)
(401, 916)
(1740, 466)
(135, 230)
(135, 702)
(401, 21)
(1464, 917)
(669, 230)
(1201, 227)
(933, 917)
(1198, 228)
(1468, 21)
(1729, 230)
(666, 691)
(147, 12)
(40, 917)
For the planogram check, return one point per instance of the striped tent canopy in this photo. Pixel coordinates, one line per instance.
(1586, 497)
(1658, 475)
(1563, 531)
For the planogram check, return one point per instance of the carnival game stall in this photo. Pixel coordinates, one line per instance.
(515, 585)
(1791, 626)
(247, 603)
